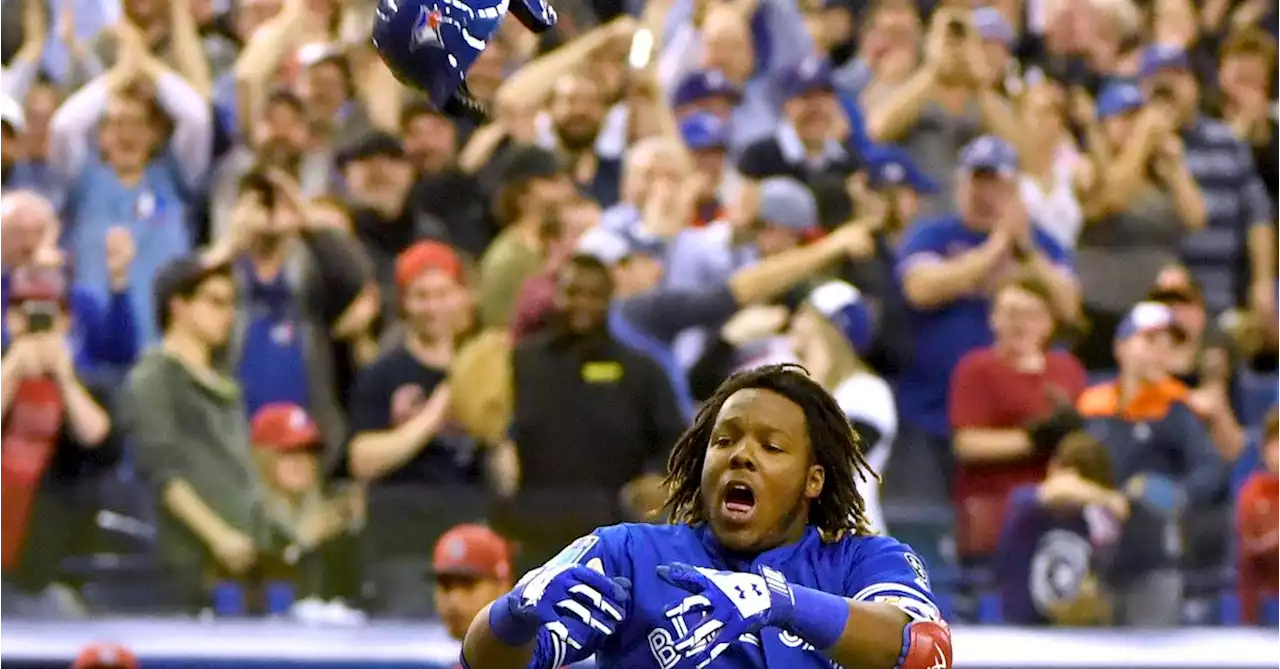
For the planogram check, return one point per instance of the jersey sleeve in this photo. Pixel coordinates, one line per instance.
(604, 550)
(887, 571)
(924, 243)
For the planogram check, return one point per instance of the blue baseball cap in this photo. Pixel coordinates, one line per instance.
(813, 75)
(703, 84)
(991, 26)
(704, 130)
(1118, 97)
(1158, 57)
(989, 153)
(1147, 317)
(842, 304)
(889, 166)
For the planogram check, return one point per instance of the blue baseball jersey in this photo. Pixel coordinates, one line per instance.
(863, 568)
(945, 333)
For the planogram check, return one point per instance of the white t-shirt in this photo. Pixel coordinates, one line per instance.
(866, 398)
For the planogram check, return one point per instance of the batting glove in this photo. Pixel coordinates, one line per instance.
(732, 603)
(580, 606)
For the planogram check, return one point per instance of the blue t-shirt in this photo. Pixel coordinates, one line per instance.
(944, 334)
(863, 568)
(272, 359)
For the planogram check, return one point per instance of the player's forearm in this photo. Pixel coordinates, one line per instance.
(482, 648)
(872, 635)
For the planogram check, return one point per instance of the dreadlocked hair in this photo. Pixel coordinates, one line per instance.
(839, 508)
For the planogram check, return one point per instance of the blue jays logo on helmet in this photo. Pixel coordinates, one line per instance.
(431, 44)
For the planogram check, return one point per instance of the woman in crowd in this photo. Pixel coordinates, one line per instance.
(829, 333)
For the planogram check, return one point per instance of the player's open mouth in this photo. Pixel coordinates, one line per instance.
(738, 501)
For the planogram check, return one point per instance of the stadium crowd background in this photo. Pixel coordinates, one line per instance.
(273, 325)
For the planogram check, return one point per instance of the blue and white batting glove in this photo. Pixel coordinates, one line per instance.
(732, 603)
(579, 606)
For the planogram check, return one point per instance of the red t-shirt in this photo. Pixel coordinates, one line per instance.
(30, 439)
(986, 392)
(1257, 518)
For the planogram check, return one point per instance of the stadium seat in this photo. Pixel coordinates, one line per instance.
(1257, 394)
(1270, 612)
(1229, 609)
(989, 609)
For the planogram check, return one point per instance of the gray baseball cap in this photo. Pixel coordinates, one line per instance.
(787, 203)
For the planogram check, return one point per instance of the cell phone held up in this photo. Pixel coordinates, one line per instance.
(40, 315)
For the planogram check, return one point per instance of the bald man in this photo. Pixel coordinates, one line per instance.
(99, 334)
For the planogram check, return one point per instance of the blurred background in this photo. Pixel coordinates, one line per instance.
(282, 341)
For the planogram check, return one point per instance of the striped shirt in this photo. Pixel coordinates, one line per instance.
(1235, 199)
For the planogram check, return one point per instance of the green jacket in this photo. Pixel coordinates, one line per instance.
(191, 426)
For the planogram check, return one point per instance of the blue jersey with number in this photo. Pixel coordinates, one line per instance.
(863, 568)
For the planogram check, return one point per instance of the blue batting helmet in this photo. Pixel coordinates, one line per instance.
(430, 44)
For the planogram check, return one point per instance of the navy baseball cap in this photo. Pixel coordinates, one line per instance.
(842, 304)
(989, 153)
(703, 84)
(1159, 57)
(704, 130)
(787, 203)
(813, 75)
(991, 26)
(1118, 97)
(889, 166)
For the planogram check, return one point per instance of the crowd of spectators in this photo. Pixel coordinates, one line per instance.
(274, 325)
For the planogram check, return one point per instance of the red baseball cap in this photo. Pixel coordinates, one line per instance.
(425, 256)
(472, 550)
(104, 655)
(283, 426)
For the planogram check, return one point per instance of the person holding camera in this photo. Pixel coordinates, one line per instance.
(952, 98)
(102, 335)
(1238, 213)
(1146, 204)
(50, 417)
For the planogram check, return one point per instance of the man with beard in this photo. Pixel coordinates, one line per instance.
(283, 348)
(442, 190)
(575, 368)
(576, 111)
(533, 185)
(282, 142)
(379, 179)
(422, 472)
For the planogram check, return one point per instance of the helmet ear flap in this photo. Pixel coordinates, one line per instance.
(464, 105)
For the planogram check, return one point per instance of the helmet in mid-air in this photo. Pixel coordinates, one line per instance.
(430, 44)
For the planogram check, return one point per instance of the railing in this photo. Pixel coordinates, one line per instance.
(277, 644)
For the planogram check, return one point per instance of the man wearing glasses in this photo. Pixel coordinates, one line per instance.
(191, 437)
